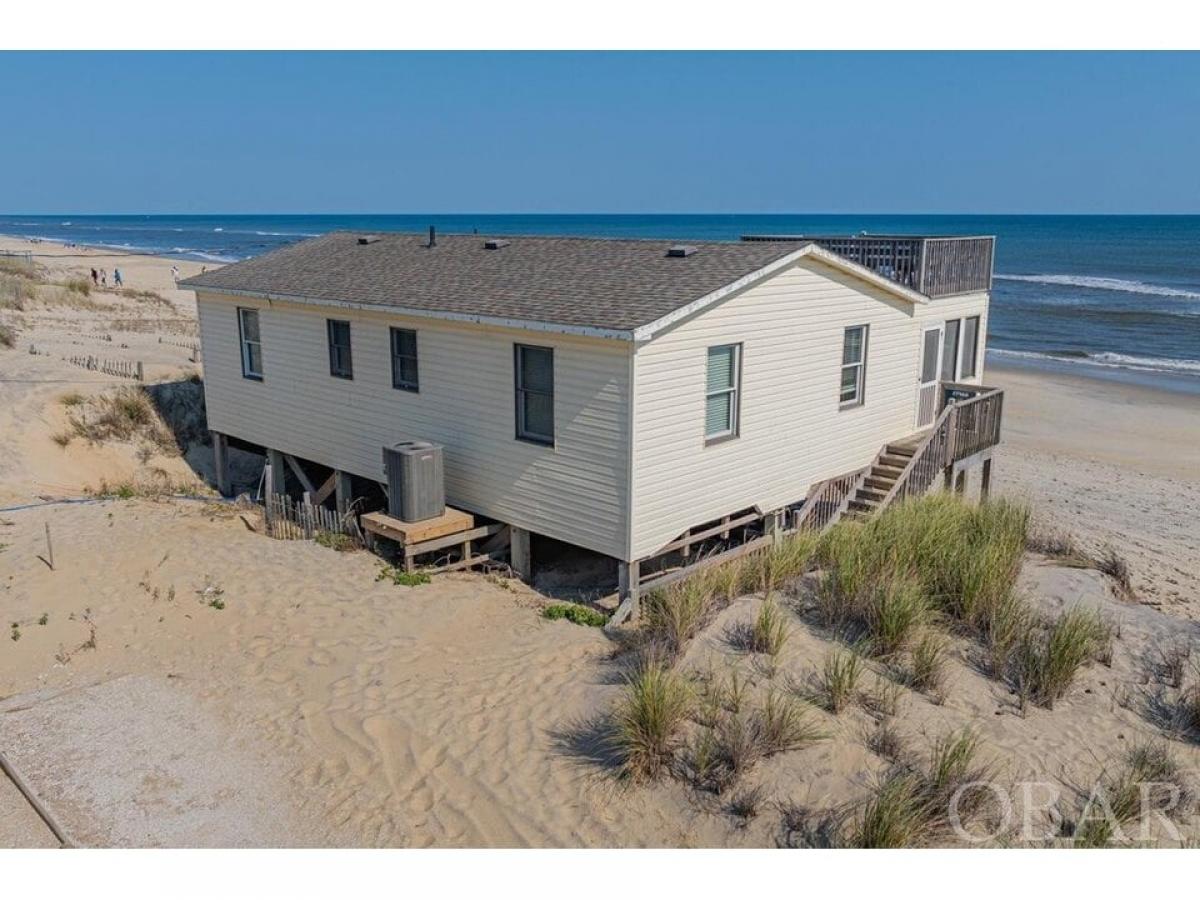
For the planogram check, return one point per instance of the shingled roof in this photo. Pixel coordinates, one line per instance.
(597, 284)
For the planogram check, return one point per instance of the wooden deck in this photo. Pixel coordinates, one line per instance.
(453, 533)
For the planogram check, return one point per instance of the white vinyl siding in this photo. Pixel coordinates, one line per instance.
(722, 390)
(533, 374)
(792, 431)
(576, 491)
(854, 366)
(251, 339)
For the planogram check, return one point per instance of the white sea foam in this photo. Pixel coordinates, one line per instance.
(1104, 284)
(1112, 361)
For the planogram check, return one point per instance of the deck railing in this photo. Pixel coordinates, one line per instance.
(934, 266)
(964, 427)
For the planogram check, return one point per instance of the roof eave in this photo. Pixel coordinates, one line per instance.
(616, 334)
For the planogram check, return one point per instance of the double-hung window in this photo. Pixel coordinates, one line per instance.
(722, 392)
(251, 344)
(404, 360)
(340, 363)
(969, 366)
(534, 384)
(854, 366)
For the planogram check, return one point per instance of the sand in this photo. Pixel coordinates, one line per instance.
(1114, 465)
(197, 684)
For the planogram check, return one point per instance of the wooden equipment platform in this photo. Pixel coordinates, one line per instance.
(453, 529)
(451, 521)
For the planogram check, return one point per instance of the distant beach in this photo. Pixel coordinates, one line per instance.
(1115, 297)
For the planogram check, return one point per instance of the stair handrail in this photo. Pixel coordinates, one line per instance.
(939, 448)
(817, 505)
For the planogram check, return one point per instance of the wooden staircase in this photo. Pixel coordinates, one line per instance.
(883, 473)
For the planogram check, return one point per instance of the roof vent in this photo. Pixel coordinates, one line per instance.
(494, 245)
(368, 238)
(680, 250)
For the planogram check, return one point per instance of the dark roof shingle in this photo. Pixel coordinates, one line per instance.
(597, 283)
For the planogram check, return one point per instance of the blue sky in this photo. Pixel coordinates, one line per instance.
(616, 132)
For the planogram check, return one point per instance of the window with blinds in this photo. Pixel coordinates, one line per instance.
(404, 360)
(854, 366)
(534, 381)
(722, 399)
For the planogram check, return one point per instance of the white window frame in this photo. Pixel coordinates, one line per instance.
(958, 345)
(860, 389)
(520, 392)
(245, 343)
(735, 392)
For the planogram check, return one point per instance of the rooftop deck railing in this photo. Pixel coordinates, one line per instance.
(937, 266)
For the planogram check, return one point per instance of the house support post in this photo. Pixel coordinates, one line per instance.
(342, 491)
(629, 577)
(774, 526)
(985, 479)
(278, 483)
(519, 553)
(960, 482)
(220, 443)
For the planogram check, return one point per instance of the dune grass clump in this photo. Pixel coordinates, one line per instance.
(1150, 782)
(933, 554)
(576, 613)
(734, 740)
(770, 630)
(927, 664)
(8, 337)
(910, 807)
(80, 286)
(837, 684)
(653, 709)
(1051, 654)
(335, 540)
(676, 614)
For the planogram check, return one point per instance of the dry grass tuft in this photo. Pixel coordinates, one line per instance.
(770, 631)
(8, 337)
(927, 664)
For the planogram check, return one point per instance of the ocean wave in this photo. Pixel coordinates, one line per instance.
(1110, 360)
(200, 254)
(1104, 284)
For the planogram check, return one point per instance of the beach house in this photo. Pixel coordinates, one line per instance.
(631, 397)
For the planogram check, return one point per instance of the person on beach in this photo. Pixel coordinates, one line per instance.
(104, 277)
(117, 278)
(95, 278)
(175, 273)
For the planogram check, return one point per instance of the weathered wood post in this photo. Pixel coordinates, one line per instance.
(985, 479)
(221, 462)
(49, 549)
(141, 373)
(519, 553)
(278, 480)
(343, 491)
(629, 581)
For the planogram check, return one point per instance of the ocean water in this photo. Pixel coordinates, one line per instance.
(1116, 295)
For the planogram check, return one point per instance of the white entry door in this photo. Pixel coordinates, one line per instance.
(927, 378)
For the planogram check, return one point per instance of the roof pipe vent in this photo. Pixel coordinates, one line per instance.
(494, 245)
(681, 250)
